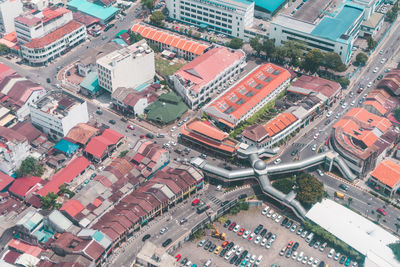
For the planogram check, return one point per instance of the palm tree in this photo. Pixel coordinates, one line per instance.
(349, 200)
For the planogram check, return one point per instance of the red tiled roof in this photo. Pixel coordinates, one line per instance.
(97, 202)
(94, 250)
(84, 18)
(317, 84)
(112, 136)
(81, 133)
(28, 130)
(97, 146)
(208, 66)
(54, 36)
(5, 71)
(241, 98)
(25, 247)
(22, 186)
(72, 207)
(5, 180)
(169, 39)
(206, 129)
(376, 105)
(387, 172)
(66, 175)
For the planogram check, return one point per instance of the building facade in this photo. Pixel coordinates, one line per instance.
(385, 179)
(41, 51)
(229, 17)
(9, 10)
(128, 67)
(58, 112)
(197, 81)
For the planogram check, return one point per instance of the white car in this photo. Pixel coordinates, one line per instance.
(294, 255)
(278, 219)
(293, 228)
(383, 60)
(344, 105)
(315, 263)
(263, 242)
(173, 128)
(300, 257)
(257, 240)
(329, 113)
(304, 261)
(269, 214)
(246, 234)
(253, 258)
(273, 237)
(252, 235)
(265, 210)
(376, 70)
(310, 260)
(352, 103)
(237, 228)
(273, 217)
(304, 234)
(258, 261)
(314, 147)
(234, 249)
(162, 231)
(268, 245)
(277, 161)
(239, 251)
(337, 256)
(369, 84)
(331, 252)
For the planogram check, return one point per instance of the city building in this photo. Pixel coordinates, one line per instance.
(380, 103)
(152, 255)
(248, 95)
(82, 133)
(101, 146)
(182, 47)
(391, 82)
(305, 85)
(132, 102)
(38, 4)
(9, 10)
(5, 181)
(37, 24)
(267, 9)
(229, 17)
(370, 27)
(103, 14)
(272, 132)
(203, 134)
(335, 32)
(198, 80)
(14, 148)
(43, 50)
(362, 139)
(24, 186)
(128, 67)
(58, 112)
(386, 178)
(168, 108)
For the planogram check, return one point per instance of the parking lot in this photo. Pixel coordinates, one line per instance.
(250, 220)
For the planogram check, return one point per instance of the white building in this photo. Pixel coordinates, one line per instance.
(329, 34)
(39, 4)
(226, 16)
(43, 50)
(128, 67)
(9, 9)
(14, 148)
(58, 112)
(36, 25)
(200, 79)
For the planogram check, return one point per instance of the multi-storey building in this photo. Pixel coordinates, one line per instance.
(40, 23)
(58, 112)
(226, 16)
(197, 81)
(43, 50)
(128, 67)
(250, 94)
(9, 9)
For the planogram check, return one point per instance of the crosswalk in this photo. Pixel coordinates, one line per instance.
(213, 199)
(298, 145)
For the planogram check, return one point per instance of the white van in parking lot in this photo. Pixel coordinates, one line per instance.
(309, 237)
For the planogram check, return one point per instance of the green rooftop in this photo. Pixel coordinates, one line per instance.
(91, 82)
(168, 108)
(100, 12)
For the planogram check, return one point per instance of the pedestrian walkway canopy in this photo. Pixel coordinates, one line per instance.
(66, 147)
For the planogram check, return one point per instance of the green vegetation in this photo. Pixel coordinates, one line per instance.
(284, 185)
(396, 250)
(134, 37)
(166, 67)
(198, 234)
(371, 43)
(241, 205)
(397, 113)
(235, 43)
(49, 201)
(391, 15)
(310, 190)
(338, 245)
(123, 153)
(149, 4)
(65, 191)
(30, 166)
(361, 59)
(157, 18)
(4, 49)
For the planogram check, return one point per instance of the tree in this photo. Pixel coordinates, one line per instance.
(4, 49)
(190, 32)
(235, 43)
(371, 43)
(49, 200)
(284, 185)
(134, 37)
(148, 4)
(378, 217)
(279, 55)
(294, 51)
(397, 227)
(349, 200)
(344, 82)
(396, 249)
(123, 153)
(397, 113)
(310, 190)
(30, 166)
(268, 47)
(256, 45)
(313, 60)
(361, 59)
(334, 62)
(157, 18)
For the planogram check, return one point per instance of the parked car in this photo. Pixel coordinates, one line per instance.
(381, 211)
(145, 237)
(112, 121)
(167, 242)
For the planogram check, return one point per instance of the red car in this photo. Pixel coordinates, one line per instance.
(178, 257)
(130, 127)
(241, 231)
(381, 211)
(290, 244)
(230, 228)
(142, 136)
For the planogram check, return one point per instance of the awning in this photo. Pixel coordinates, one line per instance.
(203, 25)
(6, 120)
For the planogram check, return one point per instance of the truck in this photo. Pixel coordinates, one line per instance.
(202, 208)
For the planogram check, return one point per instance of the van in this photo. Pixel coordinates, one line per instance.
(309, 237)
(339, 195)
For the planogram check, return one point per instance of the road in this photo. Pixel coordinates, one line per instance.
(172, 221)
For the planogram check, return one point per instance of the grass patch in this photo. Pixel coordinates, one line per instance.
(165, 69)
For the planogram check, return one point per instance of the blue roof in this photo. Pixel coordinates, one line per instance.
(120, 42)
(333, 28)
(66, 146)
(91, 82)
(100, 12)
(269, 5)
